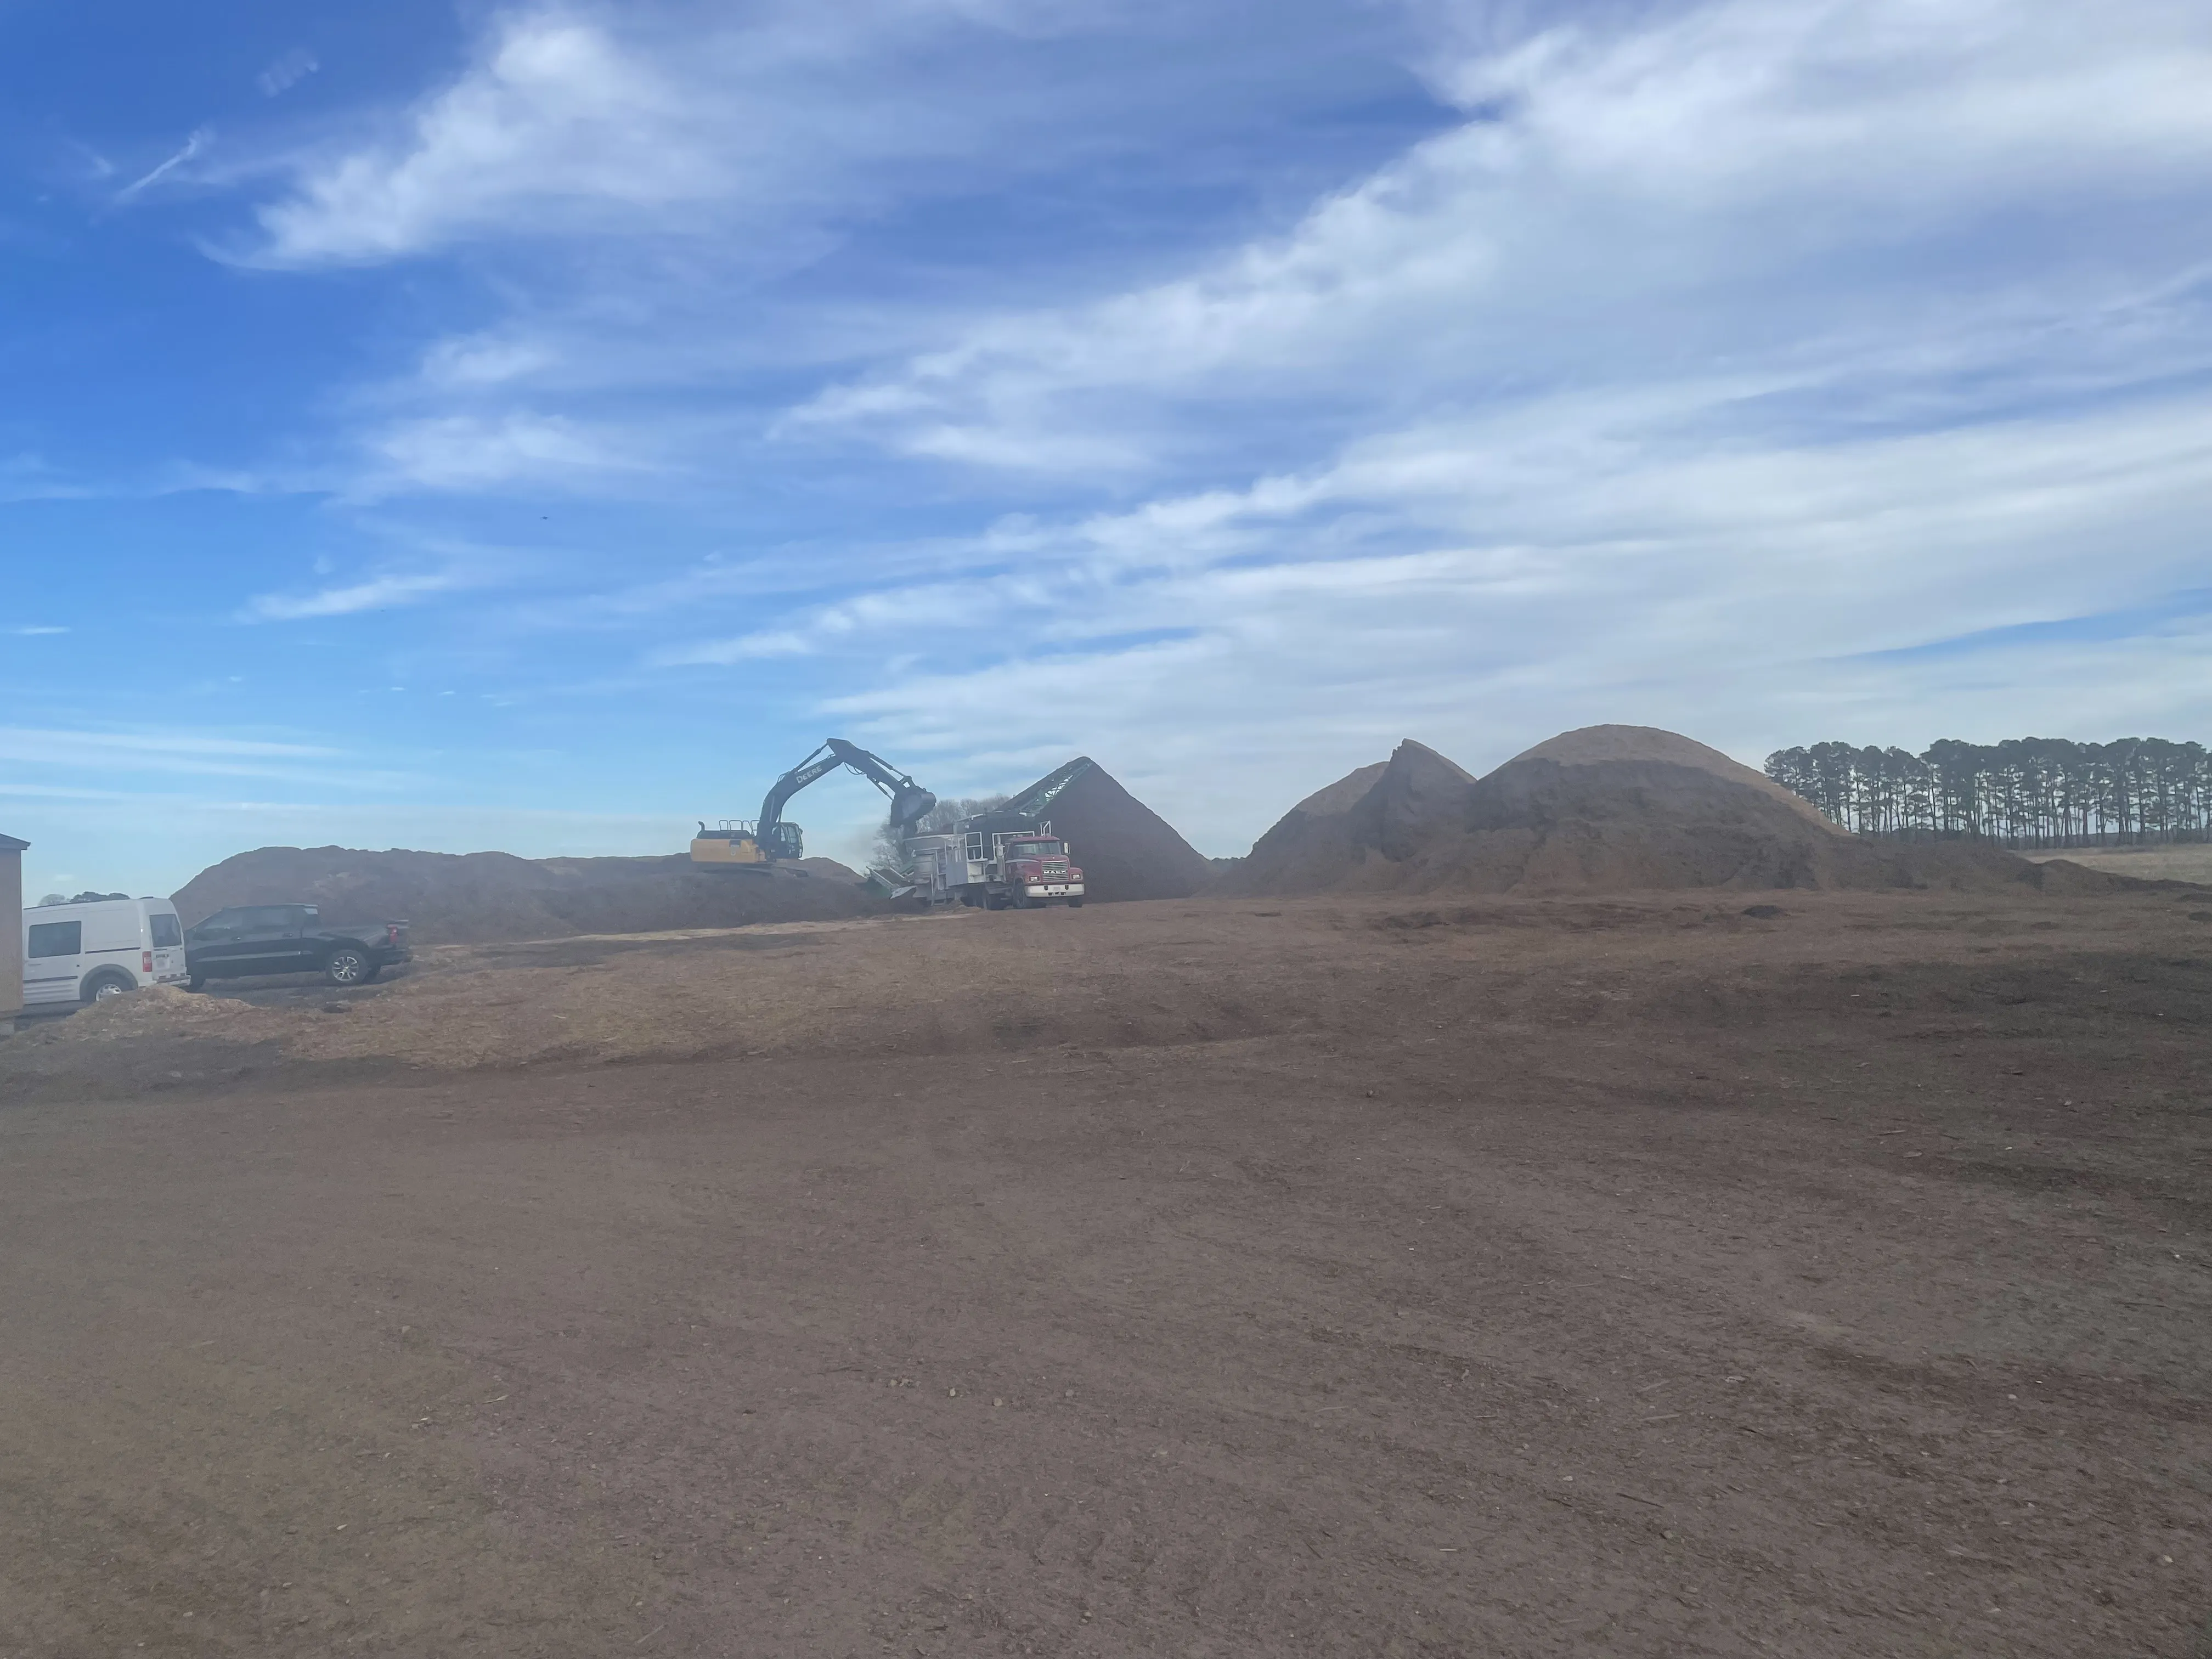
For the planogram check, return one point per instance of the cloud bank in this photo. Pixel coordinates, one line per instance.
(1688, 364)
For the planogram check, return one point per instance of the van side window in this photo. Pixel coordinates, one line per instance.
(167, 932)
(56, 939)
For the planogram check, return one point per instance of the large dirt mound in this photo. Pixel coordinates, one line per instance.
(1595, 745)
(1606, 809)
(1335, 839)
(475, 897)
(1619, 807)
(1125, 850)
(1344, 794)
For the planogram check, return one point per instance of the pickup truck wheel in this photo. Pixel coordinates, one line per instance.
(347, 966)
(196, 982)
(106, 987)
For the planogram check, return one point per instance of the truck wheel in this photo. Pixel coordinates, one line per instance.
(994, 900)
(347, 966)
(1075, 904)
(106, 987)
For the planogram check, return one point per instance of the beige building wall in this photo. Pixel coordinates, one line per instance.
(11, 931)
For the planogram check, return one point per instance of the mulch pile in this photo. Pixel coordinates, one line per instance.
(1608, 808)
(1125, 849)
(481, 898)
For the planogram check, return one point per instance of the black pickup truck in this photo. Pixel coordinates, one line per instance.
(289, 938)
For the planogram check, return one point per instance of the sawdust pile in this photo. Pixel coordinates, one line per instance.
(1125, 849)
(478, 897)
(162, 1010)
(1608, 808)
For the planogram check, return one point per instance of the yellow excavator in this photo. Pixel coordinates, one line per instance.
(760, 843)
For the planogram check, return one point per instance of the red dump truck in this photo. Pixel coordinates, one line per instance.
(1022, 867)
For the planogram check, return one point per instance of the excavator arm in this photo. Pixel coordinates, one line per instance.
(909, 801)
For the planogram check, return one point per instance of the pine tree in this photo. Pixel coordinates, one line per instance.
(2025, 791)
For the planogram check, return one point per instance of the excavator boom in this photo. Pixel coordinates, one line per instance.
(754, 846)
(909, 801)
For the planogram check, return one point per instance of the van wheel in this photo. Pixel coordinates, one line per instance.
(347, 966)
(106, 987)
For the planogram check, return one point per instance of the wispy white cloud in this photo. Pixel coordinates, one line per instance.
(745, 647)
(575, 120)
(60, 750)
(27, 743)
(378, 593)
(34, 630)
(864, 620)
(287, 72)
(477, 362)
(644, 183)
(1805, 183)
(192, 148)
(558, 119)
(472, 452)
(30, 477)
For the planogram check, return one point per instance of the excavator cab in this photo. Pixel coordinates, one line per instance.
(734, 843)
(783, 841)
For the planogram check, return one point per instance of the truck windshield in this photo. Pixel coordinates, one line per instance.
(1037, 849)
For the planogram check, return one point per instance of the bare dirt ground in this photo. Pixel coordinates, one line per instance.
(2185, 861)
(1330, 1277)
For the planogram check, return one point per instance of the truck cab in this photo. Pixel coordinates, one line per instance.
(1034, 868)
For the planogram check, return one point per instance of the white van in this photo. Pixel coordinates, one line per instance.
(89, 953)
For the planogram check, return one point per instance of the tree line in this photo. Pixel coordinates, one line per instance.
(2025, 791)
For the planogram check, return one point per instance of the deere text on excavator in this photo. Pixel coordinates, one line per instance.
(761, 843)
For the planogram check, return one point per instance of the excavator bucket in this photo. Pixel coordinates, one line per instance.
(910, 804)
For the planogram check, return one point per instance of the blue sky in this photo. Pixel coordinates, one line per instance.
(535, 426)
